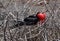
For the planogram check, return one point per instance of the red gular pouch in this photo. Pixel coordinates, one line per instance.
(41, 17)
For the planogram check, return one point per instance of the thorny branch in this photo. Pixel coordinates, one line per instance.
(52, 13)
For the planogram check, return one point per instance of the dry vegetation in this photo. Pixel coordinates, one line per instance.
(10, 10)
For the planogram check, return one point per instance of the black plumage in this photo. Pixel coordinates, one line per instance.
(30, 20)
(19, 23)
